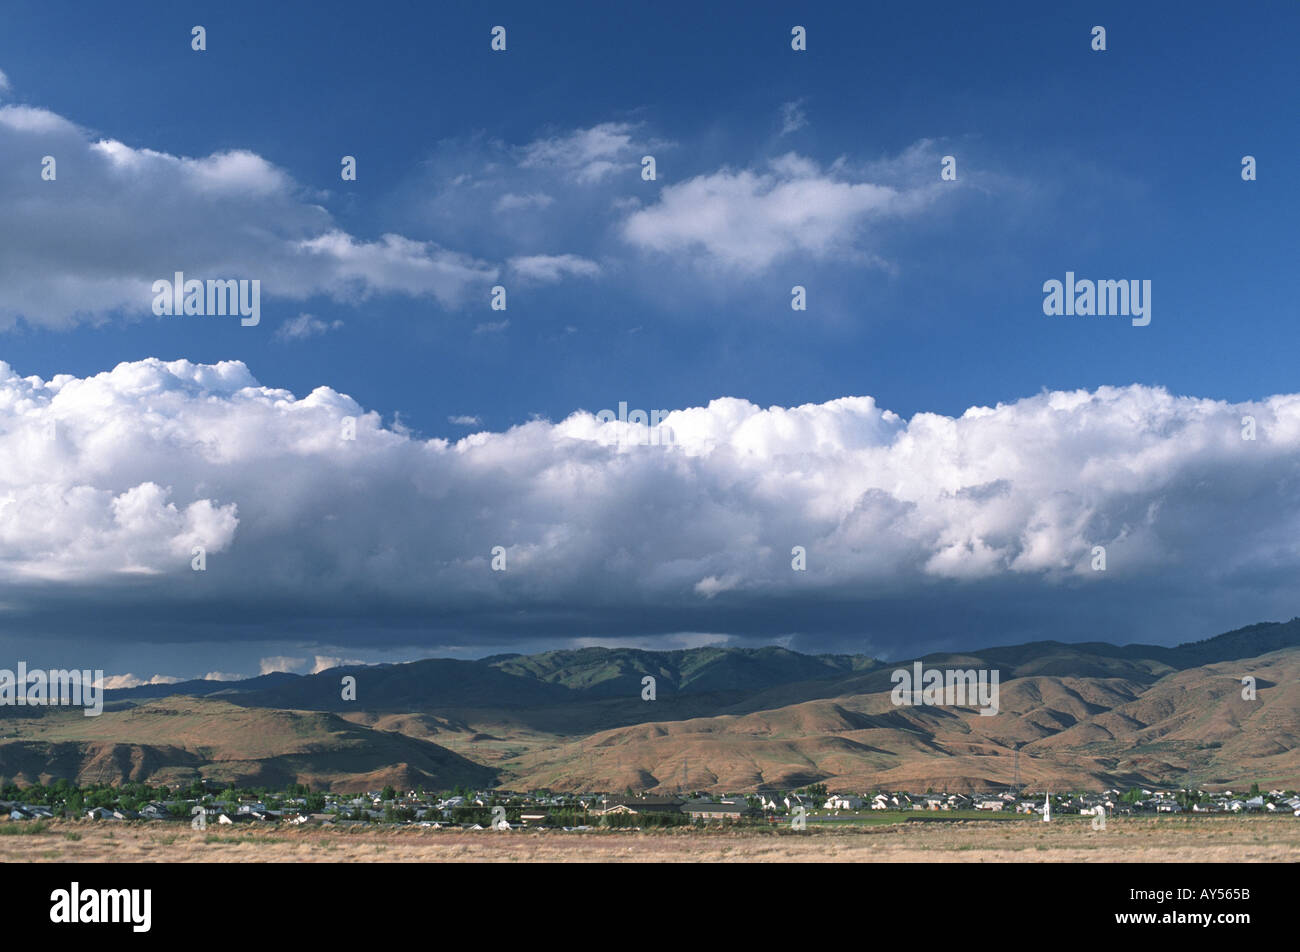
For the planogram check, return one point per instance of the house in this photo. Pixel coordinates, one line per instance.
(103, 813)
(640, 805)
(706, 810)
(989, 805)
(843, 802)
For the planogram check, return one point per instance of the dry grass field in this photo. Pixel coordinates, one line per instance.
(1181, 839)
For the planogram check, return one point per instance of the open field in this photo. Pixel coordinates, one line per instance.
(1181, 839)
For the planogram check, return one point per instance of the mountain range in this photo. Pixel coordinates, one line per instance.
(723, 719)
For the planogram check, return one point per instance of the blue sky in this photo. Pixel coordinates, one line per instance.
(1116, 164)
(523, 168)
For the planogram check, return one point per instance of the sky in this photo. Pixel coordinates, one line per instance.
(947, 454)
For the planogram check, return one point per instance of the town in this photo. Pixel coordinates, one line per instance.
(204, 804)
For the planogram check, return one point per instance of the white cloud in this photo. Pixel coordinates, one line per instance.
(748, 219)
(792, 117)
(304, 326)
(548, 269)
(465, 420)
(325, 662)
(588, 155)
(222, 676)
(712, 585)
(116, 218)
(511, 202)
(276, 665)
(154, 457)
(29, 119)
(393, 263)
(491, 327)
(118, 681)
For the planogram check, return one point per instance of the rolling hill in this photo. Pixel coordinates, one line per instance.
(725, 719)
(178, 739)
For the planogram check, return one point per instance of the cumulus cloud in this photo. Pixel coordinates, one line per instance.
(353, 268)
(581, 190)
(91, 242)
(118, 681)
(745, 220)
(605, 531)
(280, 664)
(325, 662)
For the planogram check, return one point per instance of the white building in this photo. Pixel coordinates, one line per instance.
(843, 802)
